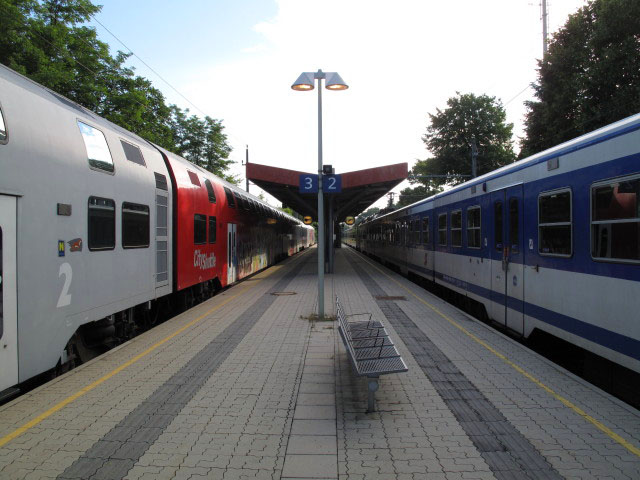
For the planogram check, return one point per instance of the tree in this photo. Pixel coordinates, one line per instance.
(468, 118)
(366, 214)
(590, 76)
(411, 195)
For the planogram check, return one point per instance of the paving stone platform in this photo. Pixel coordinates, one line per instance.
(250, 385)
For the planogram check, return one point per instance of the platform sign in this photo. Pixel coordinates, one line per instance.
(309, 183)
(308, 220)
(332, 183)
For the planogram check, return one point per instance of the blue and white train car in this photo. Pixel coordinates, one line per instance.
(551, 242)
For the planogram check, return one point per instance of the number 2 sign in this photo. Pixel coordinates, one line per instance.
(332, 183)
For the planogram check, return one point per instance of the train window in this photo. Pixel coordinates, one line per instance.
(210, 191)
(615, 219)
(473, 227)
(231, 202)
(161, 182)
(456, 228)
(133, 153)
(194, 178)
(98, 152)
(425, 230)
(497, 226)
(3, 129)
(102, 224)
(554, 223)
(212, 229)
(514, 237)
(442, 229)
(199, 229)
(135, 225)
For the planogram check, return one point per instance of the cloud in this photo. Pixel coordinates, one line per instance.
(402, 60)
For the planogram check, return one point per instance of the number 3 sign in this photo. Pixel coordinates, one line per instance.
(309, 183)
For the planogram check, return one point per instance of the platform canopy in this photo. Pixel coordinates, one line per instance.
(360, 188)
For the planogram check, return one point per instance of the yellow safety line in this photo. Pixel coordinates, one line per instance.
(19, 431)
(626, 444)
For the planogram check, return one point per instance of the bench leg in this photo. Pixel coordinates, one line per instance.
(373, 387)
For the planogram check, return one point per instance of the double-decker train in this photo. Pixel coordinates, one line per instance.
(101, 230)
(549, 243)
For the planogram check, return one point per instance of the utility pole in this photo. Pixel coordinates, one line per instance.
(246, 166)
(545, 32)
(391, 195)
(474, 157)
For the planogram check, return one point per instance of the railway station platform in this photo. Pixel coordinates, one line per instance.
(249, 385)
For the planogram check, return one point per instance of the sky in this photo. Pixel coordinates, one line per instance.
(235, 60)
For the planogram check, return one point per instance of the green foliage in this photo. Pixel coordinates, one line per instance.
(411, 195)
(46, 41)
(367, 213)
(451, 133)
(590, 76)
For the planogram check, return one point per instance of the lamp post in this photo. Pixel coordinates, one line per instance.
(305, 82)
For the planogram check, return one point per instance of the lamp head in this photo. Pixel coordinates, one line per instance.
(334, 82)
(303, 83)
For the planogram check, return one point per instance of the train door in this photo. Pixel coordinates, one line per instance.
(514, 260)
(232, 255)
(507, 258)
(8, 294)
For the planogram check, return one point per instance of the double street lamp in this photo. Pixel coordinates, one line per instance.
(332, 81)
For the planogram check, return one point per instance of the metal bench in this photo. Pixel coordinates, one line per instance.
(371, 351)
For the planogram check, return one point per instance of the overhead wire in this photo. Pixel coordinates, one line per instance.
(90, 15)
(130, 51)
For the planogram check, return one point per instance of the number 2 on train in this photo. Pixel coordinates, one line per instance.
(65, 297)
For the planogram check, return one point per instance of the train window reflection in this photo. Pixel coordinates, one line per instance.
(231, 202)
(615, 219)
(442, 230)
(554, 223)
(210, 191)
(133, 153)
(212, 229)
(199, 229)
(425, 230)
(473, 227)
(98, 152)
(456, 228)
(3, 129)
(135, 225)
(497, 225)
(102, 224)
(514, 230)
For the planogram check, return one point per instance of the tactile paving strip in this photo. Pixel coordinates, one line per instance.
(506, 451)
(118, 451)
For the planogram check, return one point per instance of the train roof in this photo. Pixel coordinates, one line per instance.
(236, 190)
(60, 101)
(607, 132)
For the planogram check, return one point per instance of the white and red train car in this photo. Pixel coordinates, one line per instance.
(102, 231)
